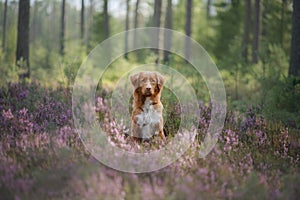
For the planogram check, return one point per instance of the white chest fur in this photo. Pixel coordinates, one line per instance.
(148, 119)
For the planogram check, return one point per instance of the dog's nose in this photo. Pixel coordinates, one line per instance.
(148, 86)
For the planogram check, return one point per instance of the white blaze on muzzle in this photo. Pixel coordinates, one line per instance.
(148, 85)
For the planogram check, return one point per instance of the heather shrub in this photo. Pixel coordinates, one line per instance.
(27, 108)
(41, 155)
(171, 113)
(290, 186)
(255, 187)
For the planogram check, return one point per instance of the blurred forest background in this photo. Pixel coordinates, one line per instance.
(256, 46)
(250, 41)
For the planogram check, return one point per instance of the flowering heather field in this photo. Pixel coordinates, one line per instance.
(41, 156)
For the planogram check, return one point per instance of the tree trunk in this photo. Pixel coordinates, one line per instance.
(208, 5)
(246, 30)
(157, 13)
(4, 27)
(283, 11)
(106, 30)
(90, 23)
(106, 19)
(126, 29)
(23, 37)
(62, 28)
(294, 69)
(188, 27)
(136, 22)
(82, 20)
(256, 35)
(168, 25)
(157, 23)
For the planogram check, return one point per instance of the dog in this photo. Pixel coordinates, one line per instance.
(147, 109)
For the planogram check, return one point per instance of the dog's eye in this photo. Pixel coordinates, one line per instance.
(152, 80)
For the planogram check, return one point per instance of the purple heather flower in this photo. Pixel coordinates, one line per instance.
(7, 114)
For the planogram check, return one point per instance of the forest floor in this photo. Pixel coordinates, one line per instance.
(41, 156)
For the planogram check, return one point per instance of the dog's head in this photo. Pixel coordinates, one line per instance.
(148, 83)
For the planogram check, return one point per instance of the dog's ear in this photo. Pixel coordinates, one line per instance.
(160, 80)
(135, 80)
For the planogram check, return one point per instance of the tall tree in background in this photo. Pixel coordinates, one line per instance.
(34, 26)
(136, 22)
(168, 25)
(256, 35)
(90, 23)
(188, 27)
(4, 27)
(106, 29)
(23, 36)
(283, 11)
(208, 11)
(82, 20)
(246, 36)
(294, 69)
(106, 19)
(157, 13)
(157, 23)
(126, 29)
(62, 28)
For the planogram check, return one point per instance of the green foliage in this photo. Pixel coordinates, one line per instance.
(70, 72)
(290, 187)
(278, 94)
(8, 72)
(230, 19)
(275, 63)
(114, 72)
(97, 29)
(203, 30)
(11, 44)
(98, 34)
(282, 102)
(42, 57)
(253, 188)
(51, 69)
(191, 75)
(179, 13)
(171, 113)
(276, 23)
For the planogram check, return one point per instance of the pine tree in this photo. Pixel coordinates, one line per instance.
(188, 27)
(23, 37)
(62, 28)
(4, 27)
(126, 29)
(82, 24)
(294, 69)
(168, 25)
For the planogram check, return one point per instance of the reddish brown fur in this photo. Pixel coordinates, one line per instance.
(139, 96)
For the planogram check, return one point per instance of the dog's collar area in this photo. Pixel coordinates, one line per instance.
(152, 103)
